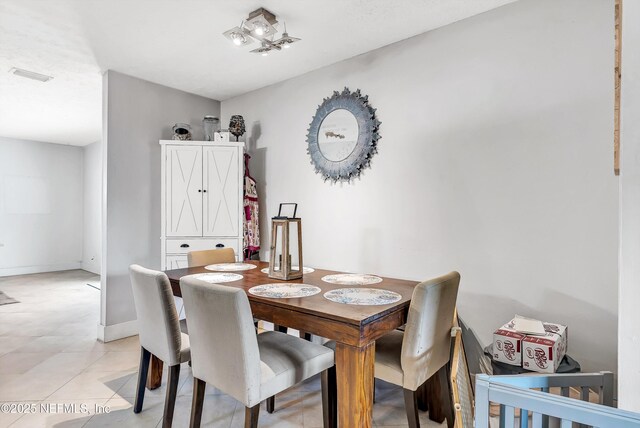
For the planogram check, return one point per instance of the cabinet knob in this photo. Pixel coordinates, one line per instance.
(184, 246)
(219, 245)
(199, 190)
(205, 190)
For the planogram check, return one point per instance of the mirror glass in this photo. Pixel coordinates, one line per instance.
(338, 135)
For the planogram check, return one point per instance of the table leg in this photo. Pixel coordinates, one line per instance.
(354, 367)
(154, 380)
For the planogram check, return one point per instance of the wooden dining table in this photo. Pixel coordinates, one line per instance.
(354, 328)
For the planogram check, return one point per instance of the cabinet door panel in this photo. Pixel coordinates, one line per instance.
(222, 182)
(177, 261)
(184, 191)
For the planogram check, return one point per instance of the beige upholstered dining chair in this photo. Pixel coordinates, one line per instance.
(220, 255)
(410, 358)
(204, 258)
(227, 353)
(209, 257)
(159, 333)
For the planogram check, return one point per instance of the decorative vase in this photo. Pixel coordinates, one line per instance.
(211, 126)
(236, 125)
(182, 132)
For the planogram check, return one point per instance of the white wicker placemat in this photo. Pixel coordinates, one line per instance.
(218, 277)
(304, 269)
(362, 296)
(352, 279)
(284, 290)
(230, 267)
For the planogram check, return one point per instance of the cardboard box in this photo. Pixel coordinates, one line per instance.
(507, 345)
(221, 136)
(544, 353)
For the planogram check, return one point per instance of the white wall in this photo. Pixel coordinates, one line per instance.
(495, 160)
(136, 115)
(40, 207)
(92, 199)
(629, 292)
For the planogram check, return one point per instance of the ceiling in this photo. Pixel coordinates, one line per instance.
(179, 43)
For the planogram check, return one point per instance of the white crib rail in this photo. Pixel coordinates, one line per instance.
(512, 392)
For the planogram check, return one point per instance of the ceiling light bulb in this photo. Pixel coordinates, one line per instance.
(237, 39)
(286, 41)
(265, 53)
(259, 29)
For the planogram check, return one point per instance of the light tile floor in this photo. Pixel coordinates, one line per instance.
(49, 355)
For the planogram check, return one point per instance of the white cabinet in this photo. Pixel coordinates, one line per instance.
(201, 198)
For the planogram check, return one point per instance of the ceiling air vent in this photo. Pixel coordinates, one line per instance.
(30, 74)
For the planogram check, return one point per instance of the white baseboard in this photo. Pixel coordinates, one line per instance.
(25, 270)
(108, 333)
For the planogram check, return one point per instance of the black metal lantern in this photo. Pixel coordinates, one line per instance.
(236, 125)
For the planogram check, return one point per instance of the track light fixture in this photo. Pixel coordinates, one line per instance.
(260, 26)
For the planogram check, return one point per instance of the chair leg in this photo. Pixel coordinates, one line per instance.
(411, 405)
(172, 392)
(304, 335)
(280, 328)
(444, 375)
(196, 403)
(271, 404)
(251, 416)
(329, 398)
(439, 397)
(423, 396)
(143, 371)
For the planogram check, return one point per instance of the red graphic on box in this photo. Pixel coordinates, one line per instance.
(540, 358)
(507, 333)
(509, 351)
(539, 340)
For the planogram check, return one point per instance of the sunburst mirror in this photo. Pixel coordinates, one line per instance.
(343, 135)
